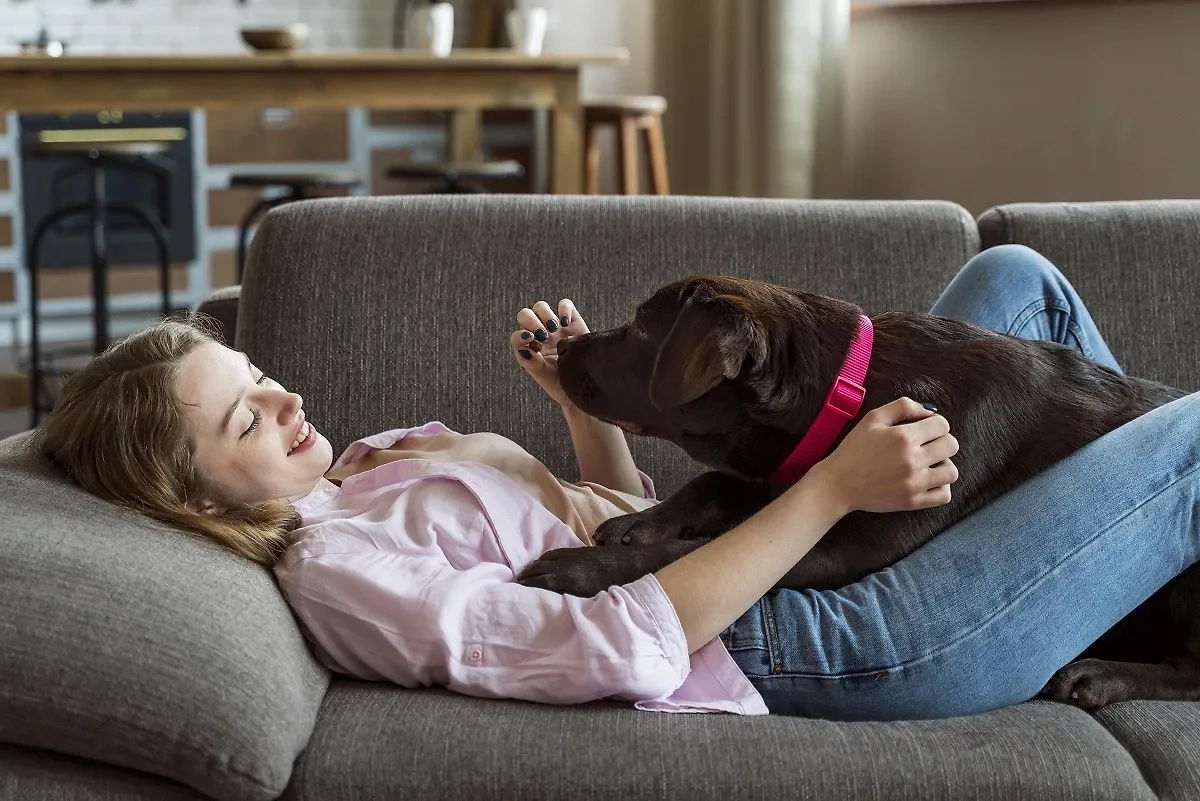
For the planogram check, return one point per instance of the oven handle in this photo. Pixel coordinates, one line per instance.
(113, 135)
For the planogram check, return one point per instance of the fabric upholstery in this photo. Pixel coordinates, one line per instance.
(1164, 738)
(30, 774)
(221, 307)
(1135, 266)
(129, 643)
(394, 311)
(376, 742)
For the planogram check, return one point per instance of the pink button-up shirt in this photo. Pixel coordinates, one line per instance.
(405, 573)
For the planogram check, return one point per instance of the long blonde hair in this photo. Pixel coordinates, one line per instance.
(119, 431)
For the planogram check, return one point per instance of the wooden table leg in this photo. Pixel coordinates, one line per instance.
(464, 141)
(567, 177)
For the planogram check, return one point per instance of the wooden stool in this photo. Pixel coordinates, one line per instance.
(298, 186)
(97, 158)
(629, 115)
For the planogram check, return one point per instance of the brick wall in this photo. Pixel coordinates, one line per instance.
(105, 26)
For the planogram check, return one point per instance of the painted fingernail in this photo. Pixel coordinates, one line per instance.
(525, 335)
(931, 407)
(551, 326)
(525, 354)
(565, 321)
(541, 335)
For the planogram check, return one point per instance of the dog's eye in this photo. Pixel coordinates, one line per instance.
(639, 331)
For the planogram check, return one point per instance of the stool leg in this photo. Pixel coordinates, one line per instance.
(627, 150)
(591, 166)
(35, 350)
(99, 258)
(656, 150)
(31, 261)
(159, 232)
(244, 232)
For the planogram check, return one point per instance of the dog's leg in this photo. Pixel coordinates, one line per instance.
(588, 571)
(708, 505)
(1092, 683)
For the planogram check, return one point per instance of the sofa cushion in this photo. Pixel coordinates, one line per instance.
(30, 774)
(387, 312)
(1135, 265)
(1164, 738)
(127, 642)
(379, 742)
(221, 307)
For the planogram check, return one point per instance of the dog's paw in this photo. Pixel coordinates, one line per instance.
(579, 571)
(1090, 684)
(634, 529)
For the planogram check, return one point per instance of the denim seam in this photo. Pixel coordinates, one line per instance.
(1027, 314)
(997, 613)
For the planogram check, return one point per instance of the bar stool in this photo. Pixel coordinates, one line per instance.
(628, 115)
(95, 157)
(458, 178)
(298, 186)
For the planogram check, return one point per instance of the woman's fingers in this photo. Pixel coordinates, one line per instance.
(527, 319)
(942, 474)
(570, 319)
(939, 449)
(546, 316)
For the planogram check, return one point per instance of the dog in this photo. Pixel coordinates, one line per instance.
(735, 371)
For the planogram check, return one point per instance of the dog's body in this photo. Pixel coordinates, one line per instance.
(735, 371)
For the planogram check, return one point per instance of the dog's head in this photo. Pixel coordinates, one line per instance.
(709, 359)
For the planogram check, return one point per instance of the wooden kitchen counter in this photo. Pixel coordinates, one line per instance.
(466, 82)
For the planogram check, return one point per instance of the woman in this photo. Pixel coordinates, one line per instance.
(400, 559)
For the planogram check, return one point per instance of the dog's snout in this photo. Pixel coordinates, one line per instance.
(564, 345)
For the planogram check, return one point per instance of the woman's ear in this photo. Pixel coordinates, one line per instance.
(204, 508)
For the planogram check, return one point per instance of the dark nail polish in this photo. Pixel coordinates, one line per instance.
(525, 335)
(551, 326)
(565, 321)
(525, 354)
(931, 407)
(540, 335)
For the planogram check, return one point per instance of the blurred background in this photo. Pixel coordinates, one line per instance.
(976, 102)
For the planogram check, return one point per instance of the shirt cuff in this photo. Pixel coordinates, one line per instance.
(647, 487)
(650, 594)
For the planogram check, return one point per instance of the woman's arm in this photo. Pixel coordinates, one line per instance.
(883, 465)
(602, 453)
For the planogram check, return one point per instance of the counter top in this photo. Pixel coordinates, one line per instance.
(301, 60)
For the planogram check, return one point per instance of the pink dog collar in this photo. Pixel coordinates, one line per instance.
(842, 403)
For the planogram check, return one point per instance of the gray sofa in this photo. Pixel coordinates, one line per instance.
(140, 663)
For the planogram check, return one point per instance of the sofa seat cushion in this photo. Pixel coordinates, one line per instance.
(127, 642)
(1164, 738)
(374, 741)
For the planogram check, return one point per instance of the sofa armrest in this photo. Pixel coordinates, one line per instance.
(222, 307)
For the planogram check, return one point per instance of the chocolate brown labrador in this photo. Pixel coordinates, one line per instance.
(734, 372)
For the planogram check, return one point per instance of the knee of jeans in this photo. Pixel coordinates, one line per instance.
(1008, 265)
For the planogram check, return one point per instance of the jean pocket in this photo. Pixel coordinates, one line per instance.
(770, 631)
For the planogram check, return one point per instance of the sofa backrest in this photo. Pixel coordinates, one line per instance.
(1137, 267)
(386, 312)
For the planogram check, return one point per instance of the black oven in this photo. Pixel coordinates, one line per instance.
(50, 184)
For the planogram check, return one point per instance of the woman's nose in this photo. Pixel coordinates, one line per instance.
(289, 407)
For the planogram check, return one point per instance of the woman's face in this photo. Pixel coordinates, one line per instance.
(245, 428)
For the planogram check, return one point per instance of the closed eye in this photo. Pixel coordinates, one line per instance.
(255, 415)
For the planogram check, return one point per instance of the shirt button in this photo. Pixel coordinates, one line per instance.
(476, 655)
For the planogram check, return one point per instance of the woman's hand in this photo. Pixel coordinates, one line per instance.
(896, 459)
(535, 343)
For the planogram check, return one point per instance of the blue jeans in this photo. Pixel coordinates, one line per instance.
(983, 615)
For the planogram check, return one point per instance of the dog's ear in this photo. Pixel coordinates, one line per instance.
(707, 345)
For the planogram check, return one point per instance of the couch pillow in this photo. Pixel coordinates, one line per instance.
(125, 641)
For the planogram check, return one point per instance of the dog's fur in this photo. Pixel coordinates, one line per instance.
(734, 372)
